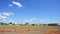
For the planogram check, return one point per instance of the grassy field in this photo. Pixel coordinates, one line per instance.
(18, 26)
(17, 29)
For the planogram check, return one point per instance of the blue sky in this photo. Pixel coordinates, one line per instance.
(32, 11)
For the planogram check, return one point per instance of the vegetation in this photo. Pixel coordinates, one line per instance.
(10, 23)
(13, 25)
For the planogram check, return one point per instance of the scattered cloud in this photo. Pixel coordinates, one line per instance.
(17, 4)
(45, 21)
(30, 20)
(7, 13)
(4, 15)
(35, 20)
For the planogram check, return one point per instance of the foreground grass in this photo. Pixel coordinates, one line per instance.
(18, 26)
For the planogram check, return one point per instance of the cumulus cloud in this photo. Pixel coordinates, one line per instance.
(7, 14)
(4, 15)
(17, 4)
(1, 16)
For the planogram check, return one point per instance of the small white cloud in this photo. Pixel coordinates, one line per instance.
(2, 17)
(30, 20)
(7, 14)
(17, 4)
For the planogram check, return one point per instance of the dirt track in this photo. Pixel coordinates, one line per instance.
(29, 31)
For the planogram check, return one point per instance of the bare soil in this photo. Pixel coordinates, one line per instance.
(29, 31)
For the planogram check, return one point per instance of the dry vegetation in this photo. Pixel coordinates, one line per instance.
(16, 29)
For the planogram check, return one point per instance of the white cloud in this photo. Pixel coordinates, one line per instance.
(1, 16)
(4, 15)
(7, 14)
(35, 20)
(30, 20)
(44, 21)
(17, 4)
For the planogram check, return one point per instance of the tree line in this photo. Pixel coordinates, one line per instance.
(26, 24)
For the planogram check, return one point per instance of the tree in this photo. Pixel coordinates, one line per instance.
(1, 23)
(13, 24)
(10, 23)
(34, 24)
(54, 24)
(26, 23)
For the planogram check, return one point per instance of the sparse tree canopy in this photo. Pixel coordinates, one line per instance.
(10, 23)
(34, 24)
(53, 24)
(26, 23)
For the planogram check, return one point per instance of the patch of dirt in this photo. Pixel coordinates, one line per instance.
(29, 31)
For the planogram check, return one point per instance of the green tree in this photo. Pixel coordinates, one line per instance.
(26, 23)
(10, 23)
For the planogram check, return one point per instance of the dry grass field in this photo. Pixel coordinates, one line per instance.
(16, 29)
